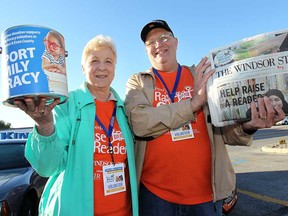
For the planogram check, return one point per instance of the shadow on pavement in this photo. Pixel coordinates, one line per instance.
(262, 194)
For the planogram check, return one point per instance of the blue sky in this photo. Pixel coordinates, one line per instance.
(199, 26)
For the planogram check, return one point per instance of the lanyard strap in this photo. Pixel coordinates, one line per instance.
(109, 131)
(170, 94)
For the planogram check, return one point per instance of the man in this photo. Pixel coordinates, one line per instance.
(183, 165)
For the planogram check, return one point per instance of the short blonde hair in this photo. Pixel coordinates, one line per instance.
(99, 41)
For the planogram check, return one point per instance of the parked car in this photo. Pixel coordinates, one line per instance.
(283, 122)
(20, 186)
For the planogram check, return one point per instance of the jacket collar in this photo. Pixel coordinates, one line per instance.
(150, 70)
(84, 97)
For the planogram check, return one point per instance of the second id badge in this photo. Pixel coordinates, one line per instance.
(114, 179)
(182, 133)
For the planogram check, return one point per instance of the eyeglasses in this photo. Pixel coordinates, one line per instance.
(53, 44)
(162, 38)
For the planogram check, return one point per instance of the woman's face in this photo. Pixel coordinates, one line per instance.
(99, 68)
(276, 101)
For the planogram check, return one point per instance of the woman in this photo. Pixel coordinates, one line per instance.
(87, 153)
(277, 99)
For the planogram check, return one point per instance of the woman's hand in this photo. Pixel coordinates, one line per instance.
(40, 113)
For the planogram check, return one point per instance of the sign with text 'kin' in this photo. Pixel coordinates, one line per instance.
(33, 64)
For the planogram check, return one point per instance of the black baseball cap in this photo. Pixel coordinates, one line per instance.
(152, 25)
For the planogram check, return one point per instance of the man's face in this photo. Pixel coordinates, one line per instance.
(161, 47)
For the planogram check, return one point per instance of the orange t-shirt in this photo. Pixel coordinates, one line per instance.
(179, 171)
(118, 204)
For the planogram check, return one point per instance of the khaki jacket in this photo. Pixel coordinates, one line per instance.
(148, 122)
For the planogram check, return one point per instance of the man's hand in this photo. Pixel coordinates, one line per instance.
(265, 117)
(200, 80)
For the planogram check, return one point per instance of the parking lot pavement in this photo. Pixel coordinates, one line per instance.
(262, 177)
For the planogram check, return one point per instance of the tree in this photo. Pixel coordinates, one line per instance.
(4, 125)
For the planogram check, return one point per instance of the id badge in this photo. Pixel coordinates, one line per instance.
(114, 179)
(182, 133)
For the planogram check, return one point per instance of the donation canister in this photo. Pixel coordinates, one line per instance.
(33, 64)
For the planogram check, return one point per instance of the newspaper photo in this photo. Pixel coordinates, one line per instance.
(246, 70)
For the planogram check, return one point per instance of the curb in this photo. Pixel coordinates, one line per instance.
(276, 148)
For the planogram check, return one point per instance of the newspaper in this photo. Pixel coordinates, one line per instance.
(246, 70)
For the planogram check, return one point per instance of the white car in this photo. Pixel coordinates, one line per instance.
(283, 122)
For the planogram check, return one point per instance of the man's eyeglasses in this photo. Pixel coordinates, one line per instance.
(162, 38)
(51, 44)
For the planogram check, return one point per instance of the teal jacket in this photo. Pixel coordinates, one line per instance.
(66, 157)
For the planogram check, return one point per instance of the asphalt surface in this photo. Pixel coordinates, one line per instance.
(262, 177)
